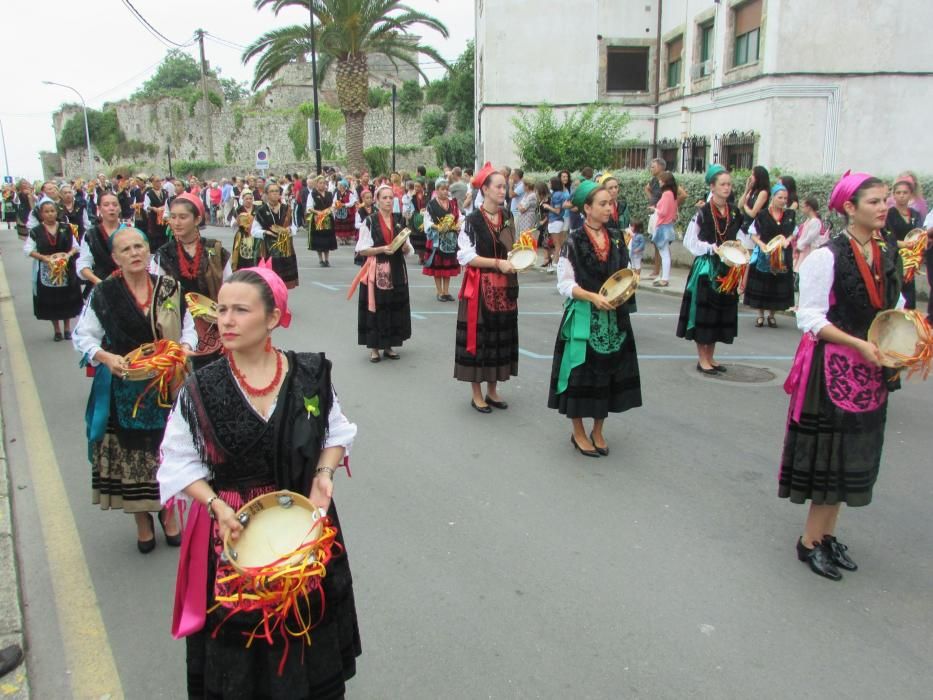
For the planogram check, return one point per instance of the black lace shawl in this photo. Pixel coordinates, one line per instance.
(99, 244)
(44, 247)
(588, 271)
(125, 326)
(851, 311)
(704, 219)
(238, 446)
(438, 212)
(267, 218)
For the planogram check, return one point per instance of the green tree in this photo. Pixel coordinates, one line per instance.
(460, 91)
(410, 98)
(435, 92)
(106, 134)
(378, 97)
(587, 136)
(348, 31)
(433, 123)
(233, 91)
(176, 72)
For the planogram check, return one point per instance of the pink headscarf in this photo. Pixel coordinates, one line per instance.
(195, 200)
(845, 188)
(279, 290)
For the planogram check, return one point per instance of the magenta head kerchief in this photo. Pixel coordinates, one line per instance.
(845, 188)
(279, 290)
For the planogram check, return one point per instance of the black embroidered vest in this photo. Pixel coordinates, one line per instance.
(851, 310)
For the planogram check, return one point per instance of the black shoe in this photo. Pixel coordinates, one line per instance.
(57, 337)
(587, 453)
(391, 355)
(327, 263)
(837, 551)
(772, 323)
(501, 405)
(604, 451)
(712, 372)
(10, 658)
(67, 335)
(374, 358)
(171, 540)
(819, 559)
(146, 546)
(720, 368)
(481, 409)
(321, 263)
(440, 297)
(447, 297)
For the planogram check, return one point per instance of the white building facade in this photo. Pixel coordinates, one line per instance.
(810, 86)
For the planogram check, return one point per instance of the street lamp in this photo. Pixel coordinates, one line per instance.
(87, 132)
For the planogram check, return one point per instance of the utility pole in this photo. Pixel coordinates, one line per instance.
(317, 116)
(394, 100)
(207, 103)
(6, 162)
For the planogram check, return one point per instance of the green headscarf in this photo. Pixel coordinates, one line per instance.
(582, 192)
(712, 171)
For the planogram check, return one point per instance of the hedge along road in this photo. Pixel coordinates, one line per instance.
(491, 561)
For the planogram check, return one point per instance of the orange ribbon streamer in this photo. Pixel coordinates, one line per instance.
(922, 358)
(913, 258)
(731, 280)
(526, 240)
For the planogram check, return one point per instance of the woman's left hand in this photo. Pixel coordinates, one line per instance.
(322, 491)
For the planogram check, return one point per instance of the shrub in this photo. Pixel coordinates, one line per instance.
(298, 134)
(194, 167)
(410, 98)
(586, 136)
(433, 123)
(377, 159)
(458, 148)
(435, 92)
(378, 97)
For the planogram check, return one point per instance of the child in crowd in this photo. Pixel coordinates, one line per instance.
(408, 201)
(634, 233)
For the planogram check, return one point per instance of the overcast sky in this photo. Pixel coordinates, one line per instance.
(104, 52)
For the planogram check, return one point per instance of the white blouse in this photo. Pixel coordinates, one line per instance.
(365, 240)
(89, 333)
(809, 234)
(466, 251)
(180, 465)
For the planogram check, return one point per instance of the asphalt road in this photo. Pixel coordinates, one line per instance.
(491, 561)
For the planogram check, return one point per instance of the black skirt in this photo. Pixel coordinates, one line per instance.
(765, 290)
(496, 357)
(831, 456)
(322, 240)
(717, 315)
(390, 324)
(222, 666)
(605, 383)
(57, 303)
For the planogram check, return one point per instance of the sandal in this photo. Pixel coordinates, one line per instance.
(772, 323)
(760, 322)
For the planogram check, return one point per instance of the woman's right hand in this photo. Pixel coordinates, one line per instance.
(227, 522)
(115, 363)
(870, 352)
(601, 302)
(505, 267)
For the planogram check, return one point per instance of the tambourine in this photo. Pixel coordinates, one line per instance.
(200, 306)
(733, 253)
(522, 258)
(775, 243)
(620, 286)
(400, 238)
(277, 526)
(904, 338)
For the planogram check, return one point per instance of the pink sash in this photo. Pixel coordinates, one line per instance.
(796, 383)
(190, 611)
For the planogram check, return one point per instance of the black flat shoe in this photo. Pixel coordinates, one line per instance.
(819, 559)
(772, 323)
(10, 658)
(587, 453)
(760, 322)
(67, 335)
(720, 368)
(712, 372)
(837, 551)
(447, 297)
(481, 409)
(604, 451)
(146, 546)
(501, 405)
(171, 540)
(57, 337)
(391, 355)
(440, 297)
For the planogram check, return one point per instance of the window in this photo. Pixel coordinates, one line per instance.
(695, 154)
(627, 70)
(671, 156)
(738, 150)
(706, 48)
(747, 33)
(633, 157)
(675, 50)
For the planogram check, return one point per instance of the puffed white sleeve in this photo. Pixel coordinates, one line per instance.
(179, 462)
(155, 268)
(428, 219)
(85, 258)
(31, 220)
(692, 240)
(466, 251)
(146, 203)
(256, 228)
(340, 431)
(816, 283)
(365, 239)
(566, 277)
(88, 334)
(28, 246)
(189, 334)
(228, 269)
(86, 220)
(359, 221)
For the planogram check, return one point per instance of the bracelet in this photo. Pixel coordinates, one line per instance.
(210, 510)
(328, 470)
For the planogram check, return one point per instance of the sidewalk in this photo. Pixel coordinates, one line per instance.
(15, 684)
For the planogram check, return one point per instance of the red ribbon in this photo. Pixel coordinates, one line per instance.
(469, 290)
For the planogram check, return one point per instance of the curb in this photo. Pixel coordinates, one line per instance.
(15, 684)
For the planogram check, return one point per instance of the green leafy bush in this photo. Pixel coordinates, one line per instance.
(377, 159)
(298, 134)
(586, 136)
(378, 97)
(435, 92)
(228, 153)
(410, 98)
(433, 123)
(183, 168)
(459, 148)
(460, 91)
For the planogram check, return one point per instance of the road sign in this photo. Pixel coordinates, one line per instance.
(7, 179)
(262, 159)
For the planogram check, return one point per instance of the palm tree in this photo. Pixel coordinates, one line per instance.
(347, 31)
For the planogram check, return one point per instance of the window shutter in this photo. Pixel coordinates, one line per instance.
(747, 17)
(675, 49)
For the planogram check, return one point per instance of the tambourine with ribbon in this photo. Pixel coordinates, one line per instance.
(736, 257)
(905, 340)
(912, 255)
(524, 253)
(775, 250)
(163, 363)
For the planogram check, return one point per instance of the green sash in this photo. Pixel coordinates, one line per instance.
(705, 265)
(575, 332)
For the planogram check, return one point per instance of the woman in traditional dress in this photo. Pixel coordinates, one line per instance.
(595, 367)
(321, 238)
(384, 315)
(273, 225)
(835, 431)
(901, 220)
(419, 238)
(74, 213)
(95, 262)
(126, 418)
(9, 206)
(56, 292)
(708, 313)
(344, 212)
(200, 265)
(769, 287)
(442, 224)
(155, 201)
(25, 201)
(256, 421)
(487, 320)
(247, 249)
(364, 210)
(619, 219)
